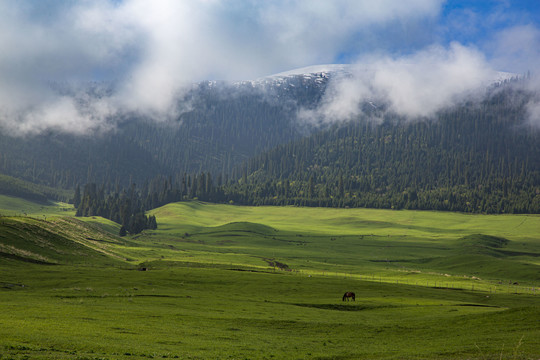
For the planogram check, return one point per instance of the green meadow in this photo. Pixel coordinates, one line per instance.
(232, 282)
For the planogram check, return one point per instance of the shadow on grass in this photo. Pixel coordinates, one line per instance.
(344, 307)
(366, 307)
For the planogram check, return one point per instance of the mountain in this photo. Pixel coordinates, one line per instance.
(220, 125)
(224, 124)
(476, 156)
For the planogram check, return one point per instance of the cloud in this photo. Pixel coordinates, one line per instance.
(37, 52)
(533, 112)
(152, 49)
(517, 49)
(533, 106)
(414, 86)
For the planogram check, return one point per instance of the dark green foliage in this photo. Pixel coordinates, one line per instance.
(125, 208)
(475, 158)
(63, 161)
(162, 190)
(15, 187)
(221, 126)
(29, 191)
(77, 197)
(152, 222)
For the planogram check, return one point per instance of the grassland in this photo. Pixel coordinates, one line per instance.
(229, 282)
(417, 247)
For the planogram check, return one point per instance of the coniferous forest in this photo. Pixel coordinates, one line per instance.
(476, 158)
(218, 127)
(246, 147)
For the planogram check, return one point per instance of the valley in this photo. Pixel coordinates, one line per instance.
(224, 281)
(233, 232)
(318, 180)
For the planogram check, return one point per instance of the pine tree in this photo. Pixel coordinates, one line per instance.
(77, 197)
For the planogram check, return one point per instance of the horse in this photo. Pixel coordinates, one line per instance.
(349, 295)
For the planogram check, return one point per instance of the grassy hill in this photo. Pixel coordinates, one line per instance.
(57, 241)
(266, 283)
(47, 233)
(11, 186)
(358, 242)
(17, 206)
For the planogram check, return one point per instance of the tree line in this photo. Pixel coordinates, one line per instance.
(124, 207)
(218, 127)
(479, 157)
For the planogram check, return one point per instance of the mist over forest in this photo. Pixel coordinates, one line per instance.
(386, 106)
(284, 179)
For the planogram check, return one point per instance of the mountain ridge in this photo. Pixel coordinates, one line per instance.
(230, 130)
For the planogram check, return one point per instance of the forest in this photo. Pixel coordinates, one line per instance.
(243, 145)
(219, 125)
(474, 158)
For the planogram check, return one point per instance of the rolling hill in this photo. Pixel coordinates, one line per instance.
(260, 281)
(61, 240)
(479, 157)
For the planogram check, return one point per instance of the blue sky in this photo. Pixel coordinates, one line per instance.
(152, 48)
(478, 24)
(271, 36)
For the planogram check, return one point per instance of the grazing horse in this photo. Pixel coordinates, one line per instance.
(349, 295)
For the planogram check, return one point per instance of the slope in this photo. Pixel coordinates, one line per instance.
(404, 245)
(218, 126)
(62, 240)
(24, 189)
(474, 158)
(266, 282)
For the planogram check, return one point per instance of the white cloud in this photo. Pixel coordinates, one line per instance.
(413, 86)
(533, 113)
(533, 106)
(516, 49)
(153, 48)
(425, 82)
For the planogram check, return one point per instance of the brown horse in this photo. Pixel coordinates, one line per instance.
(349, 295)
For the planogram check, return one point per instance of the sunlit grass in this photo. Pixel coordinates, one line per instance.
(386, 245)
(13, 206)
(183, 216)
(184, 312)
(266, 283)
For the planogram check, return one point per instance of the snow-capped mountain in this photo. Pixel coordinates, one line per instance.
(319, 73)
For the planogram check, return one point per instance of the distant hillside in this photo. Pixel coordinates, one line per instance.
(242, 142)
(59, 241)
(29, 191)
(219, 126)
(475, 158)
